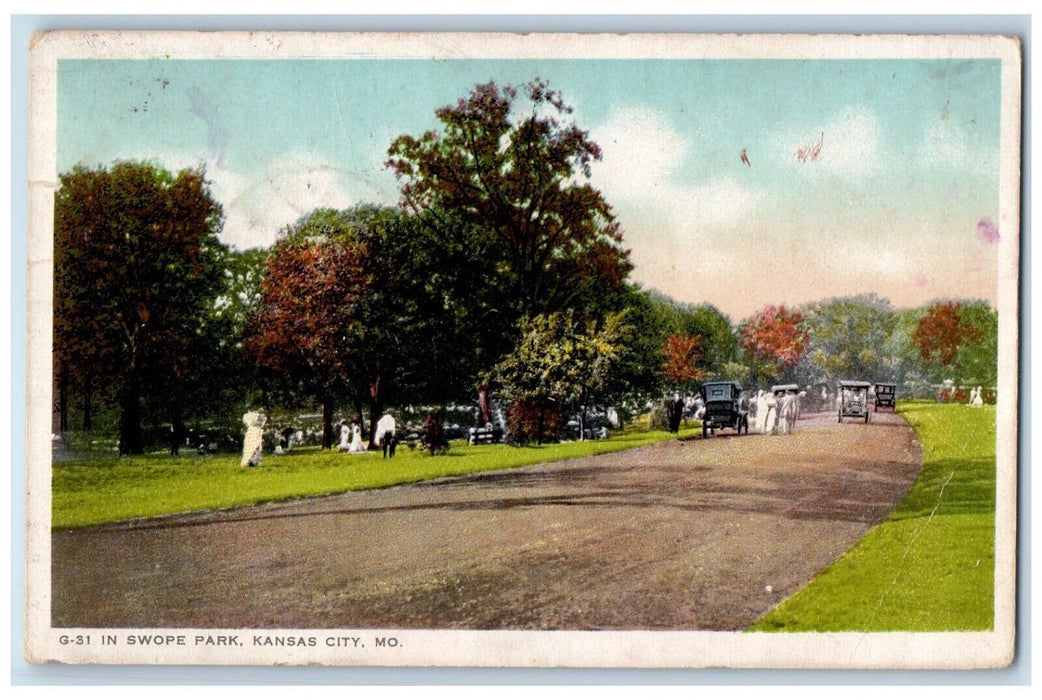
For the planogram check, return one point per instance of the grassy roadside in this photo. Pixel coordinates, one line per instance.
(96, 491)
(929, 566)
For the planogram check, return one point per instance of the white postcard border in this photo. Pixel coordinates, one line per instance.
(527, 649)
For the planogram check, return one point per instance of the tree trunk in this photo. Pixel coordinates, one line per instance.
(483, 405)
(63, 398)
(327, 423)
(584, 406)
(177, 429)
(88, 400)
(360, 414)
(130, 440)
(375, 409)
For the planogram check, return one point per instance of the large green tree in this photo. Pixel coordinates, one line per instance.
(505, 184)
(407, 345)
(850, 337)
(718, 344)
(978, 358)
(232, 380)
(137, 266)
(638, 375)
(559, 365)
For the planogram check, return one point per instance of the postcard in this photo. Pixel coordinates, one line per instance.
(523, 350)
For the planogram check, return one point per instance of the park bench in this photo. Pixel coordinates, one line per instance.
(485, 436)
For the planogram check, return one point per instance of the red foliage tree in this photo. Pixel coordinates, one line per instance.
(775, 339)
(307, 325)
(941, 332)
(137, 266)
(538, 417)
(682, 354)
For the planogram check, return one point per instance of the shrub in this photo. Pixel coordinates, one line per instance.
(433, 439)
(659, 418)
(538, 418)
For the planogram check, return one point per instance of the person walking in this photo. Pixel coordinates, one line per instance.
(676, 412)
(253, 440)
(770, 417)
(385, 437)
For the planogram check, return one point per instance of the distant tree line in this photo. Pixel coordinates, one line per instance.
(499, 279)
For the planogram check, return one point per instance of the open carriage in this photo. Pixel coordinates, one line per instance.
(723, 407)
(853, 399)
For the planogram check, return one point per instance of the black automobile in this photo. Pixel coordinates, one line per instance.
(722, 407)
(886, 395)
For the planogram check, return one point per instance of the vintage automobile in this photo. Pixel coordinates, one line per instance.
(853, 399)
(780, 390)
(723, 407)
(886, 395)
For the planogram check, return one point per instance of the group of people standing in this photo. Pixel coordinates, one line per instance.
(775, 415)
(350, 437)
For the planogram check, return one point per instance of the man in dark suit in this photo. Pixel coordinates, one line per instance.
(676, 412)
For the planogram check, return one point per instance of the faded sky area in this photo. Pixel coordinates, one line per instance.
(860, 175)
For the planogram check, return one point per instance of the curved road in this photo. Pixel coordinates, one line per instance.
(678, 535)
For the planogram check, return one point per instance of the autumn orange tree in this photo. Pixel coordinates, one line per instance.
(775, 341)
(682, 354)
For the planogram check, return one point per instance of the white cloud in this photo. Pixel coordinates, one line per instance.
(641, 151)
(256, 208)
(947, 145)
(854, 143)
(258, 204)
(640, 176)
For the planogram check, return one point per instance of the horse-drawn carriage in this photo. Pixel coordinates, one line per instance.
(886, 395)
(853, 399)
(723, 407)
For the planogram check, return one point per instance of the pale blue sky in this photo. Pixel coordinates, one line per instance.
(908, 165)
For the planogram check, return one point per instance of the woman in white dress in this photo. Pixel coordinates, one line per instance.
(761, 410)
(253, 441)
(345, 437)
(356, 439)
(770, 416)
(975, 398)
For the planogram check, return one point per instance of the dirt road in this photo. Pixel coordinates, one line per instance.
(678, 535)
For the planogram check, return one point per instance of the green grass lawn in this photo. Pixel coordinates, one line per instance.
(95, 491)
(930, 565)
